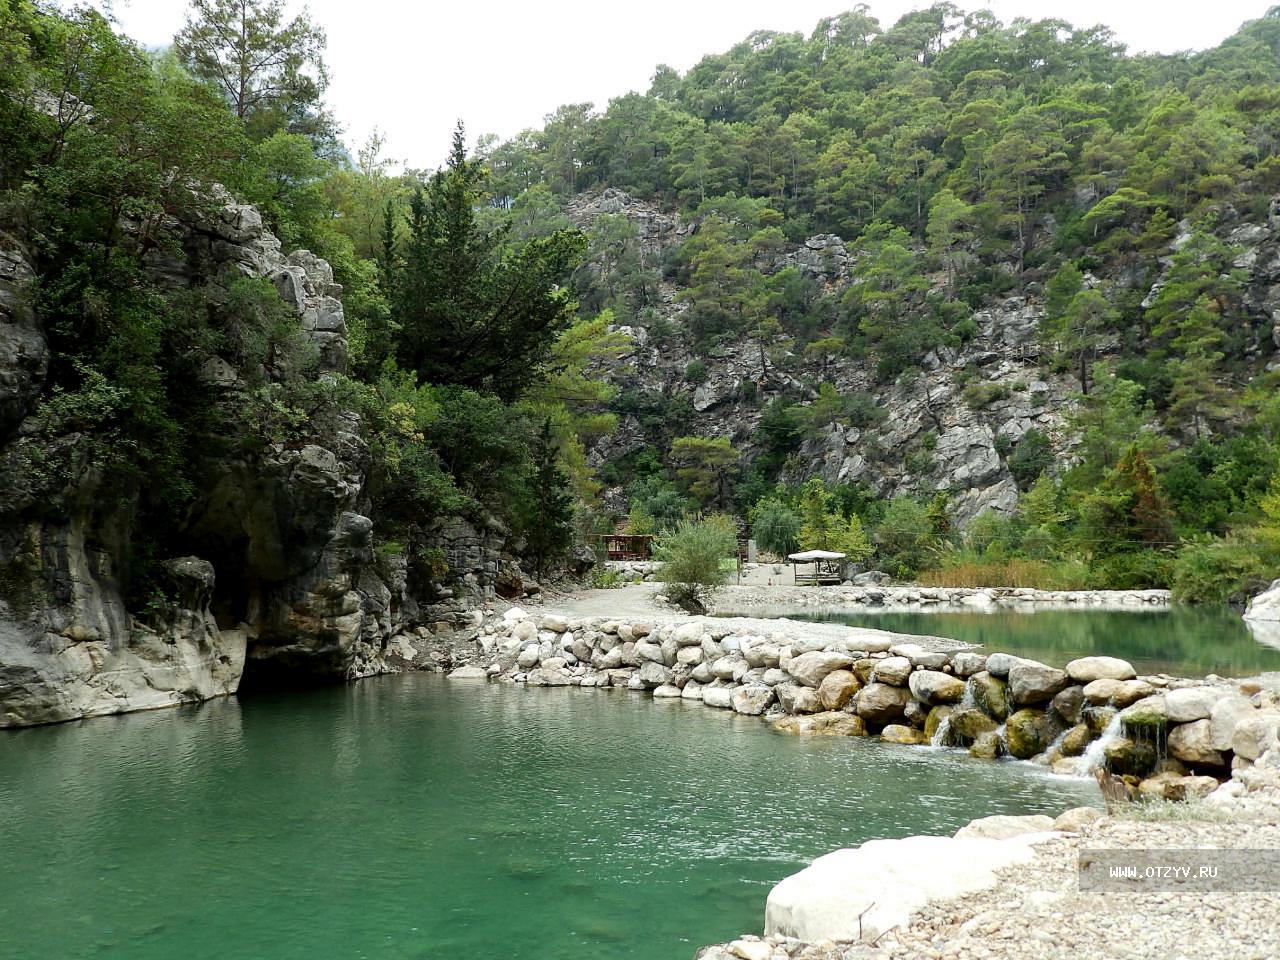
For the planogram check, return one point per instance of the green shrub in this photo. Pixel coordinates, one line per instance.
(1211, 570)
(696, 372)
(693, 559)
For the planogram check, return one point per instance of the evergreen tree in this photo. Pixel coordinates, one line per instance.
(470, 310)
(546, 520)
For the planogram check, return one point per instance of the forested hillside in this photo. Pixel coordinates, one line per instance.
(822, 237)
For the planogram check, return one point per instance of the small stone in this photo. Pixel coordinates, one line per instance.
(899, 733)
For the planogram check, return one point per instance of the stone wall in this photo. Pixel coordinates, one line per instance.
(1155, 735)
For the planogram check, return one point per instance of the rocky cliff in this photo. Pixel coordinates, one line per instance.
(953, 426)
(285, 584)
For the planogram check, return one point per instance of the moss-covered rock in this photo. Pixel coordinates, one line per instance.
(1145, 719)
(1024, 733)
(830, 724)
(1075, 741)
(990, 694)
(899, 733)
(1127, 757)
(987, 746)
(970, 723)
(934, 720)
(1097, 719)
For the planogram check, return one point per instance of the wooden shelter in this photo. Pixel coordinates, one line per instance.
(826, 568)
(628, 546)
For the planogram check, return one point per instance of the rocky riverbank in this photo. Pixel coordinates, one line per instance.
(1029, 905)
(742, 599)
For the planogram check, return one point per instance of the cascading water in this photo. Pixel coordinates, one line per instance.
(1095, 755)
(942, 736)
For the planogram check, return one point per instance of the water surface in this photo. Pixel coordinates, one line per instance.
(1181, 641)
(414, 817)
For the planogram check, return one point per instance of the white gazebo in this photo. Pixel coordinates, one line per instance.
(827, 567)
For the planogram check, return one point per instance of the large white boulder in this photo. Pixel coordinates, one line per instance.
(864, 891)
(1266, 605)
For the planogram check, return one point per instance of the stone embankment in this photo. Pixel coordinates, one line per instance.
(1159, 736)
(912, 597)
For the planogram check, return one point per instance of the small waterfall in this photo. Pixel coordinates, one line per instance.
(942, 735)
(1095, 755)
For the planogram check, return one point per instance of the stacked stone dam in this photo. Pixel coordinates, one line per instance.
(1159, 736)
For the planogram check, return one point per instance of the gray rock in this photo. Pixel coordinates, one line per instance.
(933, 687)
(1087, 669)
(752, 699)
(1190, 703)
(811, 668)
(1193, 742)
(892, 670)
(881, 704)
(1031, 682)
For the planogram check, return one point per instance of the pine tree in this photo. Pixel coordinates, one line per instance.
(547, 516)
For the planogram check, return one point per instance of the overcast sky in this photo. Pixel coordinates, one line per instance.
(413, 67)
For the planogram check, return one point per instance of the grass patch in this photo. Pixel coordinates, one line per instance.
(1035, 574)
(1173, 811)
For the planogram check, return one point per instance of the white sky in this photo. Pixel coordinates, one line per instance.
(413, 67)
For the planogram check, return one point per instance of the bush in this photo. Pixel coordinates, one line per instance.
(696, 372)
(1031, 457)
(1219, 571)
(904, 538)
(693, 559)
(1036, 574)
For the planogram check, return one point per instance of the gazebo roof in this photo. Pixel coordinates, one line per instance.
(809, 556)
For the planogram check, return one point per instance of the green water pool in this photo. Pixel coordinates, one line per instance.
(1181, 641)
(415, 817)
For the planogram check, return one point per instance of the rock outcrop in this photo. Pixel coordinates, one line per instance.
(286, 586)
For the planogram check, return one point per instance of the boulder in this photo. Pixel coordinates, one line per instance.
(999, 664)
(1029, 732)
(1130, 757)
(726, 668)
(866, 891)
(718, 697)
(900, 733)
(1226, 713)
(691, 691)
(1088, 669)
(862, 669)
(555, 623)
(668, 690)
(1146, 717)
(1190, 703)
(812, 668)
(1002, 827)
(794, 698)
(1075, 741)
(528, 658)
(687, 634)
(1068, 704)
(933, 687)
(1193, 742)
(469, 673)
(752, 699)
(1178, 787)
(653, 674)
(1077, 818)
(650, 651)
(990, 694)
(1254, 736)
(971, 723)
(1266, 605)
(933, 721)
(987, 746)
(1032, 682)
(967, 664)
(837, 689)
(830, 724)
(880, 703)
(1117, 693)
(892, 670)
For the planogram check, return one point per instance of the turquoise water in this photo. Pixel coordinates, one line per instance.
(414, 817)
(1180, 641)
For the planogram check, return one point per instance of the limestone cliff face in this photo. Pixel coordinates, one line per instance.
(285, 586)
(953, 427)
